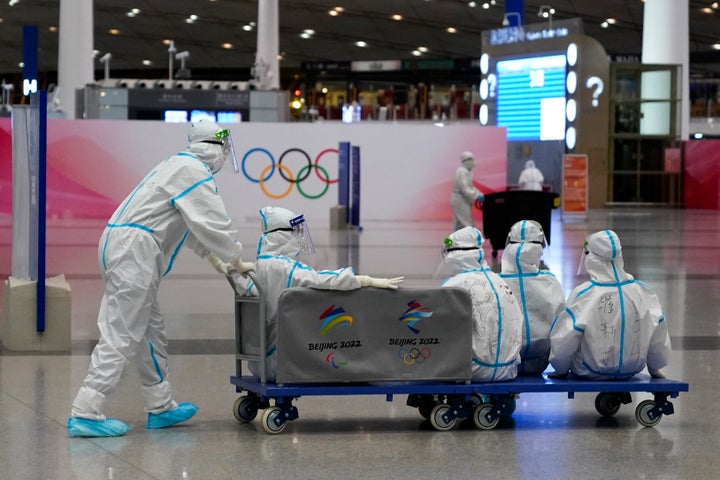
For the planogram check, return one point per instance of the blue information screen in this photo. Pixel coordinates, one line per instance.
(531, 97)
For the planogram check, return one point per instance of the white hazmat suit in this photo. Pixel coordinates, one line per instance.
(177, 204)
(613, 325)
(538, 291)
(285, 235)
(464, 193)
(497, 320)
(531, 178)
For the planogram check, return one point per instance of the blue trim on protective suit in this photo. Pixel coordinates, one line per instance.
(523, 300)
(154, 360)
(191, 188)
(175, 253)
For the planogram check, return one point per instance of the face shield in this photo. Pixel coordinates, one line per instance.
(581, 270)
(228, 147)
(302, 233)
(452, 260)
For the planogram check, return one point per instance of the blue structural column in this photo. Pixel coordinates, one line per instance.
(355, 180)
(344, 178)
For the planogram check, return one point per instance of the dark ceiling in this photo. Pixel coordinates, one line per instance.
(424, 24)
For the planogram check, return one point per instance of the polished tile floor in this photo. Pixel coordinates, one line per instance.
(677, 252)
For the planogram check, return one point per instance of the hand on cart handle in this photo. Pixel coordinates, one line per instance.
(479, 201)
(218, 264)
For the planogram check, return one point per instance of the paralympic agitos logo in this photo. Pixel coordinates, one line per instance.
(276, 177)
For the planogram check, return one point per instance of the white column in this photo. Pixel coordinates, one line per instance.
(665, 41)
(267, 66)
(75, 51)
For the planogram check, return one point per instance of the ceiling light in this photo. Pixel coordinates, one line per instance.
(716, 46)
(397, 17)
(309, 31)
(611, 21)
(333, 13)
(360, 43)
(227, 46)
(52, 28)
(417, 53)
(423, 49)
(130, 14)
(706, 10)
(167, 41)
(147, 63)
(247, 28)
(472, 4)
(305, 35)
(486, 6)
(13, 2)
(604, 24)
(339, 9)
(715, 5)
(114, 31)
(451, 30)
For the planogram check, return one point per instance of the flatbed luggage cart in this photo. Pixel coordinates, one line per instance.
(443, 403)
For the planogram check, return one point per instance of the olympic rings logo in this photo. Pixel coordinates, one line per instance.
(414, 355)
(286, 173)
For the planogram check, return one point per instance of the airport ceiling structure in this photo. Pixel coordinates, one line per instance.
(222, 34)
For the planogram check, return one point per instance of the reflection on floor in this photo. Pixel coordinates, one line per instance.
(676, 252)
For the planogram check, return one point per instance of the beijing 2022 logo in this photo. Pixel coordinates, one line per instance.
(414, 314)
(272, 166)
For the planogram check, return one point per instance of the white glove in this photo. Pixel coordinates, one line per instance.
(243, 268)
(218, 264)
(366, 281)
(656, 373)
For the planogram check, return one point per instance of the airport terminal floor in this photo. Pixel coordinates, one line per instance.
(550, 436)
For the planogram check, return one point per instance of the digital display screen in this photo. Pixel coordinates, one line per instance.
(531, 97)
(197, 115)
(176, 116)
(229, 117)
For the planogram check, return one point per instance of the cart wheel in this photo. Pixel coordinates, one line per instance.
(438, 418)
(484, 418)
(273, 420)
(607, 404)
(245, 409)
(645, 414)
(508, 406)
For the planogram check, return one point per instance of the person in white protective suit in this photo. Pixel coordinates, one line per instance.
(612, 326)
(285, 235)
(464, 193)
(497, 320)
(531, 178)
(177, 204)
(538, 291)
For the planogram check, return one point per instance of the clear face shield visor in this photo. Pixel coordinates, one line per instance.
(228, 147)
(302, 232)
(581, 270)
(443, 268)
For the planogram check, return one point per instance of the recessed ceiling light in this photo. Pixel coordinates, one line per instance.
(423, 49)
(417, 53)
(114, 31)
(472, 4)
(52, 28)
(397, 17)
(451, 30)
(147, 63)
(716, 46)
(305, 35)
(486, 6)
(706, 10)
(227, 46)
(715, 5)
(360, 43)
(604, 24)
(309, 31)
(247, 28)
(611, 21)
(339, 9)
(167, 41)
(333, 13)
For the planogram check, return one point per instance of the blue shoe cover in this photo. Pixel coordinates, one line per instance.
(84, 427)
(184, 411)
